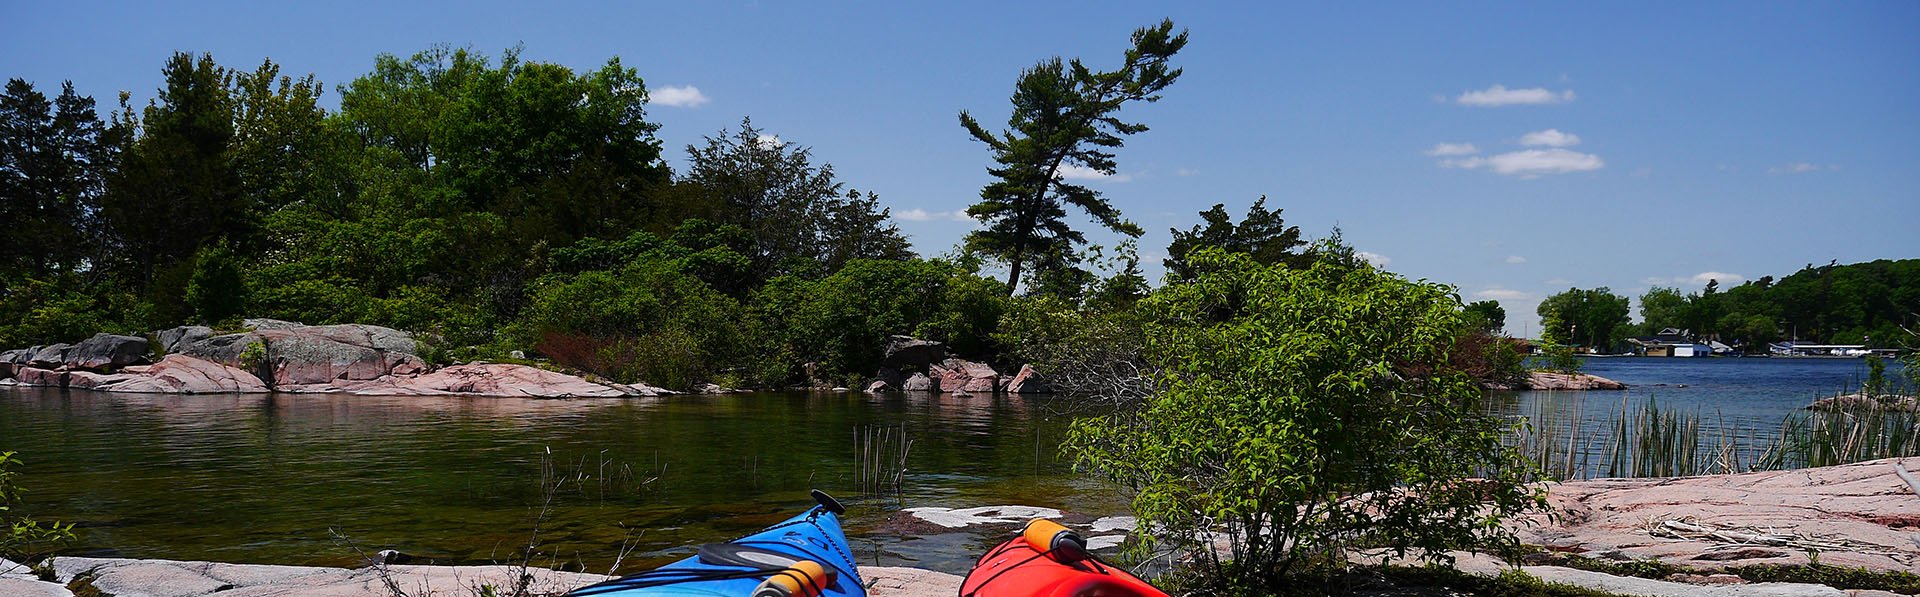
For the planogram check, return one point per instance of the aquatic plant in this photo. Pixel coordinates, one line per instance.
(22, 537)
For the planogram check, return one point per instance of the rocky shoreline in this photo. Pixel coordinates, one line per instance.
(1861, 515)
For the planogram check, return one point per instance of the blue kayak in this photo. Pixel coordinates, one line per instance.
(805, 556)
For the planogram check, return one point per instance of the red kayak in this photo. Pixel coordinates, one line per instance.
(1049, 560)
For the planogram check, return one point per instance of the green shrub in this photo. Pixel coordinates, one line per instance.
(1301, 412)
(21, 537)
(217, 291)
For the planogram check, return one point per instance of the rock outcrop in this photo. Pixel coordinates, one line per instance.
(289, 357)
(290, 354)
(173, 340)
(959, 375)
(1860, 514)
(107, 351)
(1547, 380)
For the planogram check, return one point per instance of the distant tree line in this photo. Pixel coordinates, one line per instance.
(1873, 303)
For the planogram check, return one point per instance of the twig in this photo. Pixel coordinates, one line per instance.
(1905, 476)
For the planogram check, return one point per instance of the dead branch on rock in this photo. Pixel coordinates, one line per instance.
(1688, 529)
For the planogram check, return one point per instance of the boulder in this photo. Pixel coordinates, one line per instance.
(1028, 381)
(108, 351)
(1547, 380)
(959, 375)
(877, 386)
(50, 356)
(172, 340)
(905, 353)
(18, 356)
(920, 383)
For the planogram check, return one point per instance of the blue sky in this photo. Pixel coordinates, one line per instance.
(1513, 150)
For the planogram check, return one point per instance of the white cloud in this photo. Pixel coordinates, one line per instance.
(1445, 149)
(679, 97)
(770, 141)
(1185, 172)
(1502, 294)
(1699, 279)
(1531, 163)
(1725, 278)
(1376, 259)
(1079, 172)
(921, 215)
(1499, 95)
(1550, 138)
(1799, 168)
(1516, 259)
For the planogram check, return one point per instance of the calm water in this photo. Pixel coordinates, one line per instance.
(271, 479)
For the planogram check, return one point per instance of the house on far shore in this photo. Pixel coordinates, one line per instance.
(1671, 342)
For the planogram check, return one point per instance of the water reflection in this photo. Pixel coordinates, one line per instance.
(273, 478)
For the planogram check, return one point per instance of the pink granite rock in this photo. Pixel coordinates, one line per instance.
(496, 379)
(181, 374)
(35, 376)
(1027, 381)
(1547, 380)
(959, 375)
(1864, 503)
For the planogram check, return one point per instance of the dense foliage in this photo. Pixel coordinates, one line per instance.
(1862, 303)
(1302, 412)
(1595, 319)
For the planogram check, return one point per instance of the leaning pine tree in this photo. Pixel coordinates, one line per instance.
(1063, 117)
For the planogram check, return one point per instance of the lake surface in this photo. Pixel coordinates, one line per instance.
(283, 478)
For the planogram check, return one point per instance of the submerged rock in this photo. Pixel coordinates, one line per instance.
(1028, 381)
(920, 383)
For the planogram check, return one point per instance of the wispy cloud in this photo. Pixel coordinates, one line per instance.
(1078, 172)
(1700, 279)
(1449, 149)
(1185, 172)
(1550, 138)
(686, 96)
(921, 215)
(1376, 259)
(1502, 294)
(1531, 163)
(1499, 95)
(1799, 168)
(1516, 259)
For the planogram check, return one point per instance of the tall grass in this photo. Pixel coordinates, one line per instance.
(1645, 440)
(881, 453)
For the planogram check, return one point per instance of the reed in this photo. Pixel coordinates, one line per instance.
(1645, 440)
(881, 453)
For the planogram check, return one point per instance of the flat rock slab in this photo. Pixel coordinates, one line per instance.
(966, 517)
(168, 578)
(19, 587)
(1864, 505)
(888, 581)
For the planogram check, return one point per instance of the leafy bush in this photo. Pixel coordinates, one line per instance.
(217, 292)
(22, 537)
(1560, 358)
(1286, 414)
(647, 321)
(842, 321)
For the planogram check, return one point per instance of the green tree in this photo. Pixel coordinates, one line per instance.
(1662, 308)
(801, 220)
(1594, 318)
(1301, 412)
(1486, 317)
(1064, 117)
(1263, 234)
(53, 157)
(217, 292)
